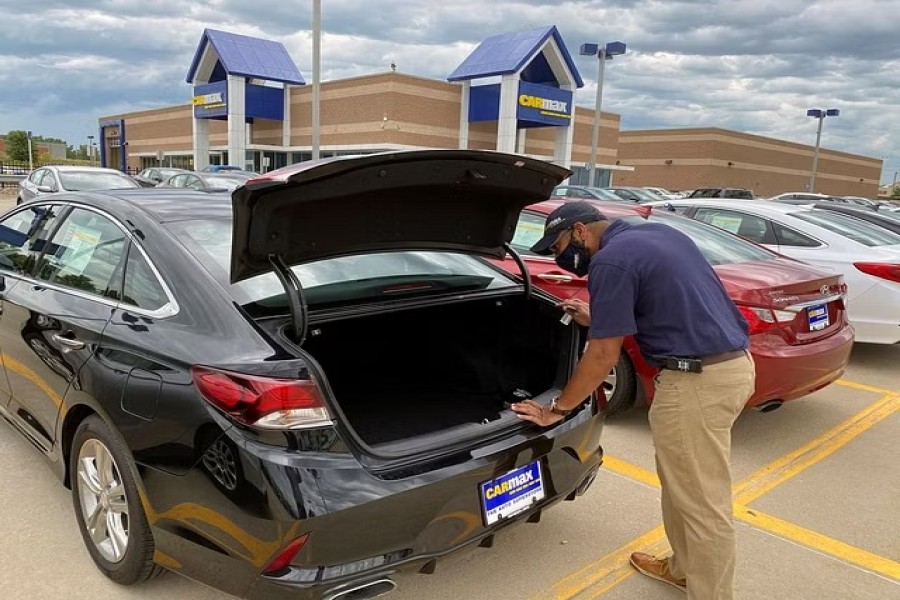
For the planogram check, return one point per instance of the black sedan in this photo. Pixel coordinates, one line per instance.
(298, 391)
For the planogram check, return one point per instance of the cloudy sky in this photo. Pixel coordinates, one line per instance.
(752, 65)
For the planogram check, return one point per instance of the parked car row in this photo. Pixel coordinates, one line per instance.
(235, 385)
(54, 179)
(862, 248)
(800, 335)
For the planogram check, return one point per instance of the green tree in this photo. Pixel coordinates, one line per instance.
(17, 146)
(896, 193)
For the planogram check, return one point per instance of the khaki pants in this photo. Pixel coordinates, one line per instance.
(691, 418)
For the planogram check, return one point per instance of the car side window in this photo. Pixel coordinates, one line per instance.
(750, 227)
(142, 288)
(85, 253)
(529, 230)
(176, 181)
(791, 237)
(49, 181)
(36, 177)
(192, 182)
(23, 236)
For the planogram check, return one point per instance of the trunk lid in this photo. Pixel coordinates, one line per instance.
(795, 293)
(445, 200)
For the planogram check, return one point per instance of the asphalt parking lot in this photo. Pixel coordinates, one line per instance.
(817, 506)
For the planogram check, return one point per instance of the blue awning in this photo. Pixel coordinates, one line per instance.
(248, 57)
(508, 53)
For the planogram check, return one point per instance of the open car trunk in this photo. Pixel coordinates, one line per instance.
(445, 372)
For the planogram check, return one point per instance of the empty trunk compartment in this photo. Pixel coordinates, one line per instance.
(415, 372)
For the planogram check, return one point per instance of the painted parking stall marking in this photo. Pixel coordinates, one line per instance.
(598, 577)
(512, 493)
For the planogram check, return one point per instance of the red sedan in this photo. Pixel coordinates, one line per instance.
(800, 337)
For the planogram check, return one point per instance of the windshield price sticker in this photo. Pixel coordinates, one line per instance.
(512, 493)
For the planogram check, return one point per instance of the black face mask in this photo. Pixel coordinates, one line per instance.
(574, 259)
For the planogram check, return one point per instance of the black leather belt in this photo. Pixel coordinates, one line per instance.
(695, 364)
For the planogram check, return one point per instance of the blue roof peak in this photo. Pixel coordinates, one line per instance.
(247, 56)
(508, 52)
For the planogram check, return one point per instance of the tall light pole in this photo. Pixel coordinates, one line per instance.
(30, 154)
(90, 149)
(603, 53)
(316, 67)
(818, 113)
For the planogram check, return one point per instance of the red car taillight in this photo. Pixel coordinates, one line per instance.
(882, 270)
(763, 319)
(284, 558)
(263, 401)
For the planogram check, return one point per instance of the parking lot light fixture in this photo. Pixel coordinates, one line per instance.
(90, 149)
(603, 53)
(820, 114)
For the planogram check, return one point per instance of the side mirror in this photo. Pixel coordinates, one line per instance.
(45, 189)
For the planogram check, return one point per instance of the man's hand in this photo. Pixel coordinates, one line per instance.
(579, 310)
(538, 414)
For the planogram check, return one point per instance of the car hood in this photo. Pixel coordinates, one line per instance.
(447, 200)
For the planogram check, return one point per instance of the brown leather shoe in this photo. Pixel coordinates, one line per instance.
(657, 568)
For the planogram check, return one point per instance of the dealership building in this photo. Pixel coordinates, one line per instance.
(250, 106)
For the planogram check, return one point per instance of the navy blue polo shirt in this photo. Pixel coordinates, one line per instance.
(651, 281)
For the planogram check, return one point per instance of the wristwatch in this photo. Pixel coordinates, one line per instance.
(557, 410)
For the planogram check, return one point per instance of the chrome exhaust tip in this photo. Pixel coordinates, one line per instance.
(364, 591)
(769, 405)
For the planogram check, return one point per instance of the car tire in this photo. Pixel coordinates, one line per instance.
(623, 384)
(113, 525)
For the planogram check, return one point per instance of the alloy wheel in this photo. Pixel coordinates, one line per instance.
(219, 460)
(609, 384)
(104, 504)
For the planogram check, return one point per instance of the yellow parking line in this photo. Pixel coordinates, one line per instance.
(817, 541)
(611, 463)
(782, 469)
(865, 388)
(600, 576)
(606, 573)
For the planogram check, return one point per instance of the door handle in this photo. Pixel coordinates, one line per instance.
(68, 344)
(555, 277)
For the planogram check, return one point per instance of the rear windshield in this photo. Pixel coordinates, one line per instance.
(717, 246)
(849, 227)
(345, 280)
(83, 181)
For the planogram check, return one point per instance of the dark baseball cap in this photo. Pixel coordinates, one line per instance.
(564, 218)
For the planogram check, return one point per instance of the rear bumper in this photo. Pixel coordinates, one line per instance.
(786, 372)
(361, 527)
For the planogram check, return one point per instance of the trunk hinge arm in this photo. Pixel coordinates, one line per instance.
(526, 276)
(296, 299)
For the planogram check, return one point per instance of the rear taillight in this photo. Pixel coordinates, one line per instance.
(284, 558)
(882, 270)
(763, 319)
(263, 401)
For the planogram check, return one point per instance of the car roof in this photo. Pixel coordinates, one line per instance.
(610, 209)
(161, 204)
(764, 205)
(66, 168)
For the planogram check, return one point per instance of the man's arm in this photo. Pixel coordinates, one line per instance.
(600, 357)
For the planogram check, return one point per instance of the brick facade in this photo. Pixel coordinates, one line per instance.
(682, 159)
(395, 110)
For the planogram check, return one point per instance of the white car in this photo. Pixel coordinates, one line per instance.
(71, 178)
(868, 256)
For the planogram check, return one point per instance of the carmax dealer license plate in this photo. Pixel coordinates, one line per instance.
(513, 493)
(818, 317)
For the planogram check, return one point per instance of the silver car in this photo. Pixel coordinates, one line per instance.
(70, 178)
